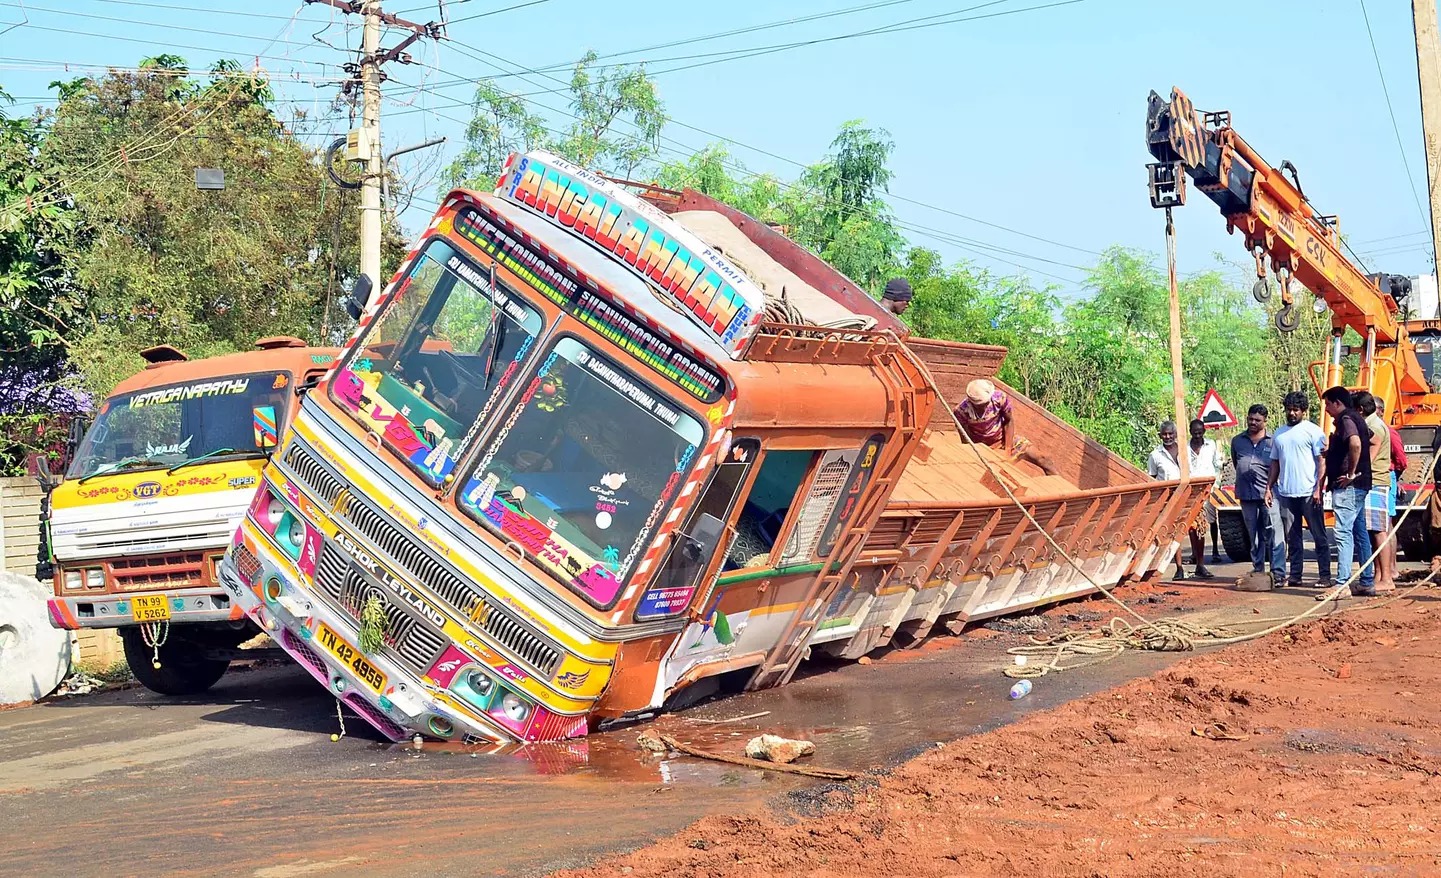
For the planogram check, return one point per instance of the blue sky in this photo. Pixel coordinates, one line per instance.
(1031, 121)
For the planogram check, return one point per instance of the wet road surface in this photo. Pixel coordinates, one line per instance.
(245, 780)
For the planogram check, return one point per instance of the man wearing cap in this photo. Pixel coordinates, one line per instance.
(985, 416)
(897, 297)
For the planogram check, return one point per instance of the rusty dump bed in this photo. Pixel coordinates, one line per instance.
(950, 544)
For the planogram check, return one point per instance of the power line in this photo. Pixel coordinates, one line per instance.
(1394, 127)
(733, 32)
(967, 244)
(692, 150)
(497, 11)
(179, 27)
(172, 45)
(215, 10)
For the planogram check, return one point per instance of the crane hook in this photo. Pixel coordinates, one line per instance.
(1261, 290)
(1288, 318)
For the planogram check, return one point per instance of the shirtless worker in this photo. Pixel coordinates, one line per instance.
(985, 416)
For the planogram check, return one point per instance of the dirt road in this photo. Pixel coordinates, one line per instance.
(1313, 753)
(245, 780)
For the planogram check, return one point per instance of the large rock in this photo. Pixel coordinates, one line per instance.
(774, 748)
(34, 657)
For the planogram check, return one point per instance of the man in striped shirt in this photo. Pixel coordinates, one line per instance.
(985, 416)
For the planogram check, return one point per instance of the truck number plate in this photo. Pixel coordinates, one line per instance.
(150, 608)
(350, 657)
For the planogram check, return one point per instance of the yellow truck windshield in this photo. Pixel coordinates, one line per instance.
(217, 418)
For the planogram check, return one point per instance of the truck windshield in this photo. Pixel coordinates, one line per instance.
(437, 358)
(582, 470)
(222, 418)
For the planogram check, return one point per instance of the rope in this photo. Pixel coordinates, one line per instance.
(1164, 635)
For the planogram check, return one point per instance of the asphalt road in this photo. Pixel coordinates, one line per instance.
(245, 780)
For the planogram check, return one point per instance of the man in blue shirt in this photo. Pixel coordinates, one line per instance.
(1296, 468)
(1251, 453)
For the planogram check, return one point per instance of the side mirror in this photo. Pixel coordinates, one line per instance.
(267, 434)
(78, 426)
(359, 296)
(701, 542)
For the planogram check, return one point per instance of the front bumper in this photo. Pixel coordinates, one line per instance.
(113, 610)
(405, 705)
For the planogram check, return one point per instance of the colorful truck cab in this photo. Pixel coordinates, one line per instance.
(152, 496)
(566, 472)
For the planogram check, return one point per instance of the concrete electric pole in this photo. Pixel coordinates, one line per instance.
(370, 135)
(364, 144)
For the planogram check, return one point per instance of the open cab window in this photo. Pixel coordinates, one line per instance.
(582, 470)
(435, 361)
(209, 419)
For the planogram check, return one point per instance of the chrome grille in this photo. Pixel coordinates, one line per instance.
(311, 473)
(515, 636)
(410, 557)
(460, 595)
(412, 641)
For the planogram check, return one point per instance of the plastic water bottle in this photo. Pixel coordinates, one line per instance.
(1021, 689)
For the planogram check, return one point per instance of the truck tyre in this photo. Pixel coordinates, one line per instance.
(1234, 538)
(184, 668)
(1415, 539)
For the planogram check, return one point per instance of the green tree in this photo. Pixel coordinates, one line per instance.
(613, 126)
(159, 261)
(837, 208)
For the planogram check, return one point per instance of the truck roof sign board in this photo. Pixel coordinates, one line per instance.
(713, 293)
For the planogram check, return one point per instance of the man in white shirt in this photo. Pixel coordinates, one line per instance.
(1164, 464)
(1295, 470)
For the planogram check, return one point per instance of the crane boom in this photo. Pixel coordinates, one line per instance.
(1280, 226)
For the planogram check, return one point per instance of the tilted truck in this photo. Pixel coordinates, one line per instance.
(151, 497)
(569, 471)
(1294, 242)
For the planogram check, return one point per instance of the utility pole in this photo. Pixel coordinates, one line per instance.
(364, 144)
(1168, 190)
(1428, 70)
(370, 134)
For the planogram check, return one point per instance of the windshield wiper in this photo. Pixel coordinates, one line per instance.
(123, 464)
(206, 456)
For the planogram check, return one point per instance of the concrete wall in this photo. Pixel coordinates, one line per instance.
(20, 524)
(20, 543)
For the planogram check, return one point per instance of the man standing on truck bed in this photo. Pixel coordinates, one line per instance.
(1348, 476)
(1296, 469)
(985, 416)
(897, 296)
(1251, 453)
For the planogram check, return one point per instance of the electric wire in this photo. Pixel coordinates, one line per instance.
(1400, 144)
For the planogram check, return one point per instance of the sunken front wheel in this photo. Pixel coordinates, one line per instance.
(184, 667)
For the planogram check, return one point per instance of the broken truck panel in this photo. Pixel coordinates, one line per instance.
(572, 466)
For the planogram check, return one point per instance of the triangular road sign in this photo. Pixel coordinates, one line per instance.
(1214, 413)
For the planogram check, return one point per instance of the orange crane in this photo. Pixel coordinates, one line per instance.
(1299, 244)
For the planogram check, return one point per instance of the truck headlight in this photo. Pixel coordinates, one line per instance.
(515, 709)
(94, 578)
(74, 579)
(274, 511)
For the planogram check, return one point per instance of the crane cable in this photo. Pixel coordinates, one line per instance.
(1171, 634)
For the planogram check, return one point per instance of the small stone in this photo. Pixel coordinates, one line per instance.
(863, 660)
(650, 743)
(774, 748)
(1344, 672)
